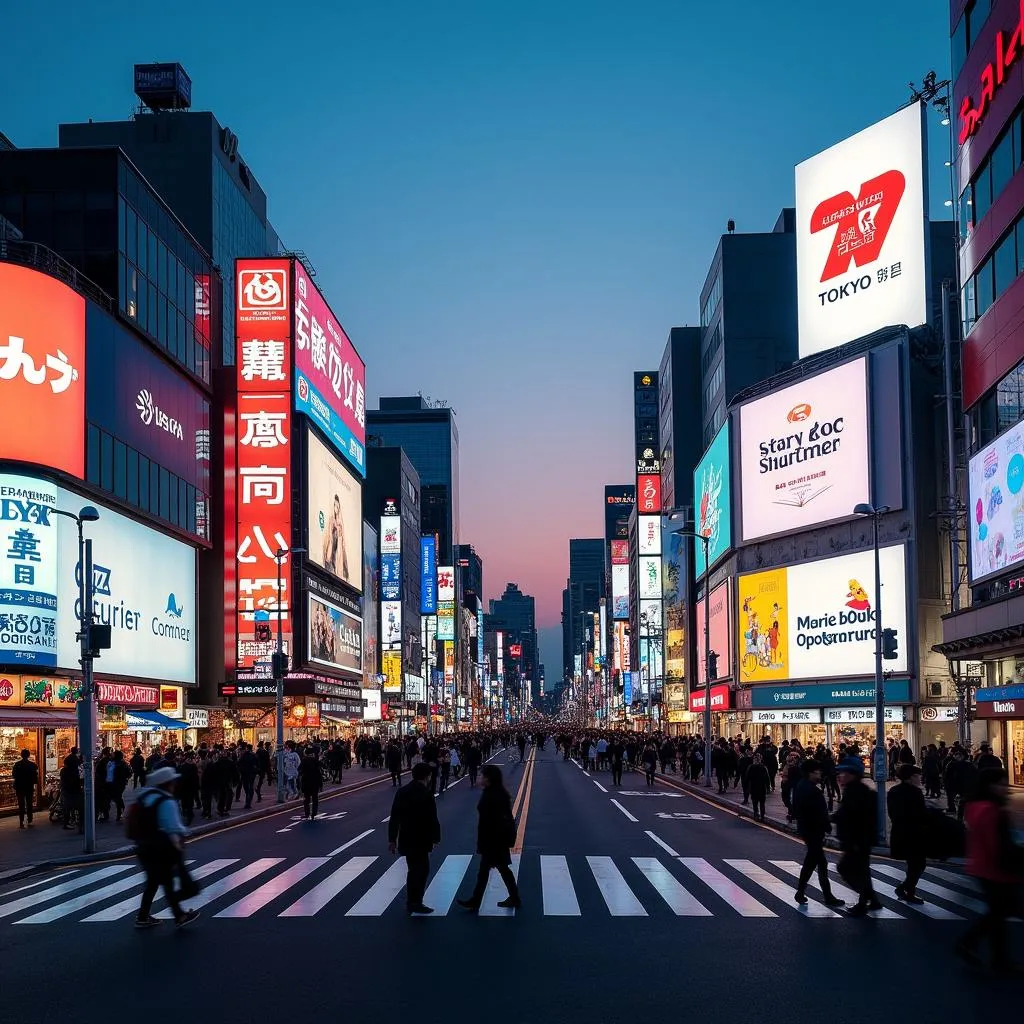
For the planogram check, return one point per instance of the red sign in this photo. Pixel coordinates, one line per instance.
(721, 699)
(262, 453)
(620, 552)
(860, 224)
(515, 650)
(42, 370)
(6, 690)
(999, 709)
(128, 694)
(168, 698)
(992, 77)
(648, 494)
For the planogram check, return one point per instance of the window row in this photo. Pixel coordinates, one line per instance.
(711, 303)
(145, 485)
(993, 175)
(967, 30)
(999, 410)
(714, 344)
(994, 276)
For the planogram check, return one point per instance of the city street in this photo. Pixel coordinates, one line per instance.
(633, 900)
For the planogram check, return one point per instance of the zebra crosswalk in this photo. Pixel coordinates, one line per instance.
(552, 886)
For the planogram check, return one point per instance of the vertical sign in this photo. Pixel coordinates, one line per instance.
(263, 434)
(428, 575)
(391, 576)
(445, 602)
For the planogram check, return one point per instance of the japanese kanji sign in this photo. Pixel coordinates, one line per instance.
(42, 370)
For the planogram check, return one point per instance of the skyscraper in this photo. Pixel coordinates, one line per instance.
(518, 612)
(582, 594)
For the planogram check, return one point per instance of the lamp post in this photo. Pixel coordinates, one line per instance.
(879, 760)
(280, 670)
(706, 541)
(87, 699)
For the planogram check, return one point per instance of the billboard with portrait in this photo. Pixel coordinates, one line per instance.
(996, 505)
(713, 494)
(335, 637)
(334, 514)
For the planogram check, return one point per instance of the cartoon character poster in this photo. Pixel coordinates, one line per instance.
(997, 504)
(762, 626)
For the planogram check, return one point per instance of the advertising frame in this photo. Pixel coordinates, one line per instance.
(339, 617)
(995, 479)
(713, 497)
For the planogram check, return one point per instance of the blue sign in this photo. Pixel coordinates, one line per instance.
(428, 577)
(990, 693)
(627, 692)
(713, 495)
(819, 695)
(391, 577)
(480, 633)
(315, 406)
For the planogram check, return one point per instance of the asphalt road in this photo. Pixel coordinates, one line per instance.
(656, 903)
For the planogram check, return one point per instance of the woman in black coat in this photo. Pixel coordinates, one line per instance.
(495, 837)
(909, 816)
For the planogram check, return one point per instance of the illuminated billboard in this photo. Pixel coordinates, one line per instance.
(620, 591)
(996, 505)
(334, 514)
(719, 634)
(713, 493)
(649, 535)
(335, 637)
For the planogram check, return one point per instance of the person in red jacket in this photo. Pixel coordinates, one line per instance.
(995, 861)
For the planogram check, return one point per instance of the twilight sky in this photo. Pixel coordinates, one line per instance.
(508, 204)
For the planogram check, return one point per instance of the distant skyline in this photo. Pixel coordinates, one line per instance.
(508, 206)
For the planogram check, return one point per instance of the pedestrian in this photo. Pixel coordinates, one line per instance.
(812, 825)
(856, 823)
(26, 778)
(227, 773)
(188, 787)
(413, 831)
(117, 775)
(71, 788)
(393, 757)
(758, 782)
(291, 770)
(650, 760)
(998, 865)
(310, 781)
(445, 764)
(248, 769)
(262, 768)
(496, 835)
(615, 753)
(909, 816)
(474, 758)
(156, 828)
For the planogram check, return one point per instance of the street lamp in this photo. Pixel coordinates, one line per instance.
(706, 541)
(88, 650)
(280, 669)
(879, 760)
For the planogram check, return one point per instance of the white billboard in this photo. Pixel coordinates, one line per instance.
(371, 713)
(144, 588)
(390, 535)
(650, 618)
(649, 578)
(996, 506)
(620, 591)
(804, 453)
(861, 213)
(649, 535)
(391, 625)
(334, 504)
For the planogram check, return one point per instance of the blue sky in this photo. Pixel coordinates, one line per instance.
(508, 204)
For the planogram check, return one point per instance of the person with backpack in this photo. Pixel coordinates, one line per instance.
(116, 776)
(155, 827)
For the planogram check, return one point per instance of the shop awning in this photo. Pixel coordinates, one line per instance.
(151, 721)
(32, 718)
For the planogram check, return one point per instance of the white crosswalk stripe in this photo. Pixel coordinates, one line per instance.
(563, 887)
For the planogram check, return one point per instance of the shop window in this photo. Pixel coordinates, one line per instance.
(1002, 163)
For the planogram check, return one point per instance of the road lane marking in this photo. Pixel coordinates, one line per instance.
(680, 900)
(382, 893)
(351, 842)
(928, 909)
(444, 886)
(791, 867)
(131, 905)
(525, 806)
(496, 890)
(7, 909)
(39, 882)
(964, 881)
(661, 842)
(384, 821)
(936, 890)
(624, 811)
(739, 899)
(618, 896)
(779, 889)
(557, 891)
(269, 891)
(599, 786)
(226, 884)
(320, 895)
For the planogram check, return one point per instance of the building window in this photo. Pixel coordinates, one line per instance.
(711, 303)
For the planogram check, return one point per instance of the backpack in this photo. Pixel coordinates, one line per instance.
(140, 819)
(111, 766)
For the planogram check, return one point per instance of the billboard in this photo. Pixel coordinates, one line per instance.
(390, 535)
(428, 576)
(619, 500)
(649, 578)
(713, 494)
(996, 505)
(720, 633)
(648, 493)
(371, 605)
(391, 624)
(649, 535)
(674, 582)
(334, 514)
(445, 620)
(620, 591)
(620, 552)
(650, 618)
(804, 453)
(391, 662)
(42, 370)
(816, 620)
(445, 583)
(391, 577)
(28, 574)
(335, 637)
(861, 215)
(330, 377)
(144, 588)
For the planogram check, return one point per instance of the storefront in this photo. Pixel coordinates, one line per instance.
(721, 705)
(120, 707)
(1001, 709)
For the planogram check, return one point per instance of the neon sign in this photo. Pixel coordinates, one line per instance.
(1007, 53)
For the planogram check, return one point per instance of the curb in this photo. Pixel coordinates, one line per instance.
(208, 828)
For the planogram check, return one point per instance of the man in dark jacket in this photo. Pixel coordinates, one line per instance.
(413, 831)
(615, 754)
(262, 768)
(856, 824)
(26, 778)
(812, 825)
(393, 762)
(909, 816)
(310, 782)
(71, 788)
(248, 769)
(188, 787)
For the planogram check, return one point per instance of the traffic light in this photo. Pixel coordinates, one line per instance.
(889, 644)
(712, 665)
(263, 632)
(279, 664)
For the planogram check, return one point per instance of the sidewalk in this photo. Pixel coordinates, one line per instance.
(46, 844)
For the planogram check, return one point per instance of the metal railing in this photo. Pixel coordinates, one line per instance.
(39, 257)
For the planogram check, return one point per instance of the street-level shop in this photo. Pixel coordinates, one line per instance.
(1001, 710)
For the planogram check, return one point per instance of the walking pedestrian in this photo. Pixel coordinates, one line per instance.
(445, 764)
(650, 760)
(474, 758)
(758, 782)
(138, 766)
(393, 757)
(413, 831)
(291, 770)
(248, 769)
(26, 778)
(117, 775)
(496, 835)
(310, 781)
(615, 753)
(71, 788)
(909, 816)
(812, 825)
(855, 828)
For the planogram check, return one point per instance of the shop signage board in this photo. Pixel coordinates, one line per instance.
(931, 713)
(712, 489)
(197, 718)
(990, 693)
(721, 699)
(17, 691)
(1001, 709)
(391, 668)
(719, 633)
(853, 716)
(791, 716)
(897, 691)
(128, 694)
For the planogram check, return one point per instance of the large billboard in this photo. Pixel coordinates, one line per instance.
(428, 576)
(649, 535)
(144, 586)
(719, 633)
(330, 377)
(713, 494)
(371, 606)
(649, 578)
(42, 370)
(335, 637)
(334, 514)
(619, 500)
(674, 580)
(996, 505)
(620, 591)
(817, 620)
(804, 453)
(861, 213)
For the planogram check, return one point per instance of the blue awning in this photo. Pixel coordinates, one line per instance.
(151, 721)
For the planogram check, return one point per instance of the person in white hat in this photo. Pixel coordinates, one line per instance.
(155, 825)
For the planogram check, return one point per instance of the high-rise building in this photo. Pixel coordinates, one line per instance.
(518, 612)
(679, 416)
(430, 438)
(583, 593)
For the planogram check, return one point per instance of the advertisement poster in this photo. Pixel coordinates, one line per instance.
(804, 453)
(428, 576)
(649, 582)
(650, 619)
(620, 591)
(371, 604)
(391, 577)
(713, 495)
(648, 493)
(391, 662)
(817, 620)
(620, 552)
(861, 216)
(720, 633)
(996, 506)
(28, 573)
(335, 637)
(675, 574)
(391, 624)
(649, 535)
(334, 502)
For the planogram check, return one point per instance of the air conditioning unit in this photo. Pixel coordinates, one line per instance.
(935, 687)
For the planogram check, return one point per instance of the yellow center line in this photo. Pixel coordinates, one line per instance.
(525, 789)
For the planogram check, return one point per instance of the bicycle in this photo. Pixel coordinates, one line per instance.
(57, 812)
